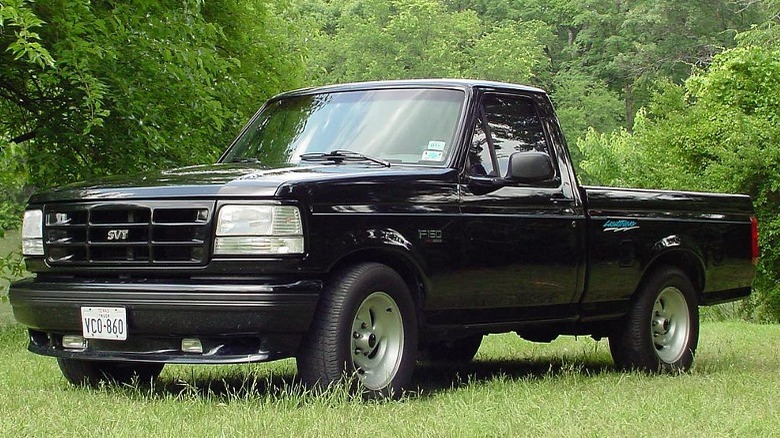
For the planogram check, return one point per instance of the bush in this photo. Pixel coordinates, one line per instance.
(13, 187)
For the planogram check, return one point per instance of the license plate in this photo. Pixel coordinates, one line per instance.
(104, 323)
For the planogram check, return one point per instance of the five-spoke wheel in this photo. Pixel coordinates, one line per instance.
(364, 331)
(661, 330)
(670, 324)
(377, 340)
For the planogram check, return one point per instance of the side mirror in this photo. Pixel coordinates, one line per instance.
(530, 167)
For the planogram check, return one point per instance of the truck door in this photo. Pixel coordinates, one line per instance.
(523, 243)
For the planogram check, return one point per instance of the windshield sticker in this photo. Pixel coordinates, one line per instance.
(619, 226)
(432, 156)
(436, 145)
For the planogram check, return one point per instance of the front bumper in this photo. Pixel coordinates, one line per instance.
(236, 322)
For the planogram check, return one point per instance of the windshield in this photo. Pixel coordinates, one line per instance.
(412, 126)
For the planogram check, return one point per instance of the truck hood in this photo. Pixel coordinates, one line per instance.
(221, 181)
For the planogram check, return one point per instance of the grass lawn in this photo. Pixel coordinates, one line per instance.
(514, 388)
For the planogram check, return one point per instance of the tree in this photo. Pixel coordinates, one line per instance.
(113, 87)
(628, 44)
(584, 103)
(371, 39)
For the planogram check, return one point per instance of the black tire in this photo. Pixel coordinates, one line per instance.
(92, 372)
(350, 338)
(660, 333)
(456, 351)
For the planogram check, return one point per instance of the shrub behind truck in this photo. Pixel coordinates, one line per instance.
(362, 227)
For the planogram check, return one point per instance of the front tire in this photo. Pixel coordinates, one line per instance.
(365, 328)
(661, 330)
(92, 372)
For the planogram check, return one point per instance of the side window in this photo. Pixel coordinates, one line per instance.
(513, 126)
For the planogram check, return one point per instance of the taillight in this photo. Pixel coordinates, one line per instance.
(754, 239)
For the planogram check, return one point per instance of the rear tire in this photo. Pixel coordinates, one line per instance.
(364, 330)
(92, 372)
(456, 351)
(661, 330)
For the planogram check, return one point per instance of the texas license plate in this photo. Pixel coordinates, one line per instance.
(104, 323)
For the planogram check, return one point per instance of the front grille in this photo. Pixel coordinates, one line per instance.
(145, 233)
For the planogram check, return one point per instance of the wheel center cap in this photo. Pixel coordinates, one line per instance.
(364, 342)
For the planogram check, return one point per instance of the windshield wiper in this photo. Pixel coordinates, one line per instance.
(338, 156)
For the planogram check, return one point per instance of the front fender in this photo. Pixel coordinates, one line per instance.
(387, 241)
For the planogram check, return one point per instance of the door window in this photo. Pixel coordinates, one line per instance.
(506, 124)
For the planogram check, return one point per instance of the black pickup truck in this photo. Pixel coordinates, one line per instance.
(362, 227)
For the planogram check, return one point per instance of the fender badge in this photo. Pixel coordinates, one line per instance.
(619, 226)
(430, 236)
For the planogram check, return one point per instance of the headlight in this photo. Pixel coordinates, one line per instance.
(259, 230)
(32, 233)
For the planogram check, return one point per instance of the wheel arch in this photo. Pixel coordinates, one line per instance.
(684, 259)
(402, 263)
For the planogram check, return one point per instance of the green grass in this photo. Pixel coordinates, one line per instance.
(566, 388)
(514, 388)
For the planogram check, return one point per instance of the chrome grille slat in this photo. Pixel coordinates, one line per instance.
(157, 233)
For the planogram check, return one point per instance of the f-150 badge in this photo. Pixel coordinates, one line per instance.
(430, 236)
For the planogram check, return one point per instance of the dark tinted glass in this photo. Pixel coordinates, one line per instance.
(514, 127)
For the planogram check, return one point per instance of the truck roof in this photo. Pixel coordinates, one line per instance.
(461, 84)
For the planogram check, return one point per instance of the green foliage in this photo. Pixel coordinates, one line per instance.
(718, 132)
(18, 38)
(741, 96)
(629, 44)
(17, 27)
(11, 269)
(266, 41)
(511, 52)
(400, 39)
(608, 158)
(765, 33)
(584, 102)
(137, 85)
(13, 190)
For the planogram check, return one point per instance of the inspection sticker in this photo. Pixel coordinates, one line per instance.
(436, 145)
(432, 155)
